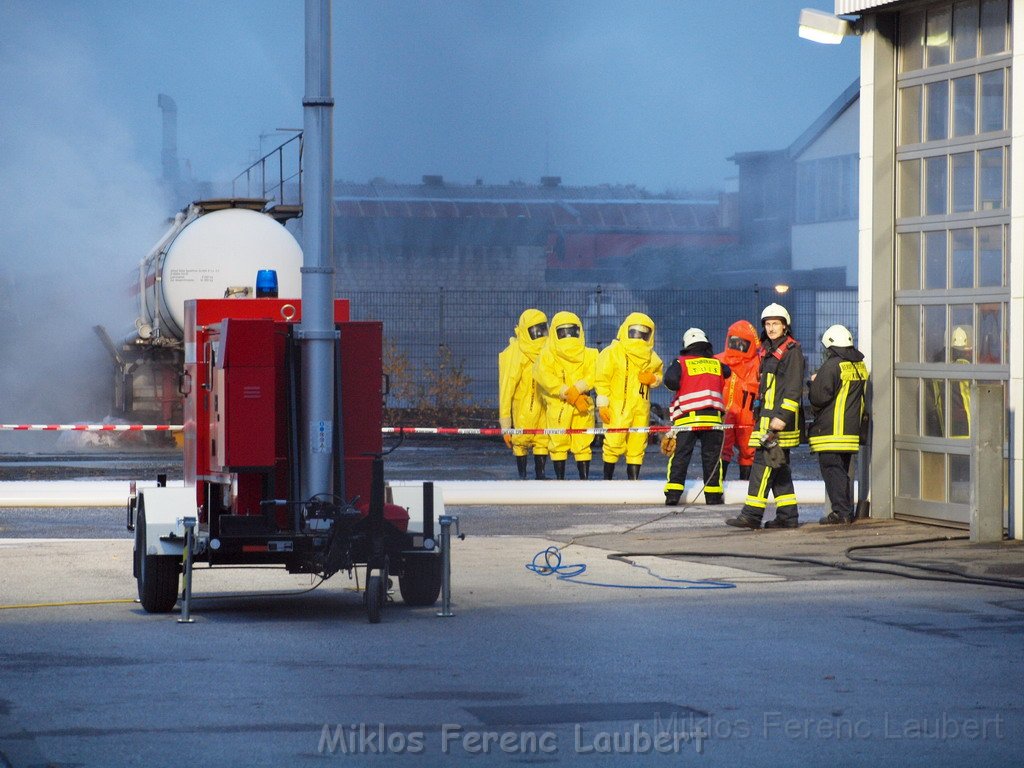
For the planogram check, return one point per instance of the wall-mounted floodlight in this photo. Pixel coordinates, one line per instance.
(823, 27)
(781, 288)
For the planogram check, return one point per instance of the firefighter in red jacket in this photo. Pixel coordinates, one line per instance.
(741, 348)
(777, 430)
(697, 378)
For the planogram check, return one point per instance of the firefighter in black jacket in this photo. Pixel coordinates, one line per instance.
(837, 399)
(696, 377)
(777, 429)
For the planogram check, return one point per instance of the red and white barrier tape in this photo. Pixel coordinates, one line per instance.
(91, 427)
(486, 431)
(496, 431)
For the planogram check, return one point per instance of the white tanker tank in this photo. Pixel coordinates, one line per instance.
(213, 249)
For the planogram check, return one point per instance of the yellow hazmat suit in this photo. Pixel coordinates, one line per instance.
(565, 373)
(627, 369)
(519, 401)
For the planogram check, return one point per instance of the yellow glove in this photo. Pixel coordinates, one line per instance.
(668, 445)
(506, 423)
(606, 414)
(583, 404)
(647, 377)
(508, 440)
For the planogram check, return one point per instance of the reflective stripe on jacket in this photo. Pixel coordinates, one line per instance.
(698, 398)
(780, 390)
(837, 397)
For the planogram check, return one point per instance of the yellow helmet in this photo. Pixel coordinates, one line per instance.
(961, 337)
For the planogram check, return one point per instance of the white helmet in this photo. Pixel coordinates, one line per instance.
(693, 336)
(837, 336)
(775, 310)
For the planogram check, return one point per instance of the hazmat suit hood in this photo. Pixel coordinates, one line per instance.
(638, 350)
(571, 347)
(529, 346)
(745, 330)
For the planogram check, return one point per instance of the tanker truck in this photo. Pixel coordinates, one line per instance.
(212, 250)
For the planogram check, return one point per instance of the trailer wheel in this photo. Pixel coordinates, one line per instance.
(157, 574)
(375, 596)
(420, 582)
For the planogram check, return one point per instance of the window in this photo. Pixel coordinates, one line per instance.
(992, 101)
(962, 258)
(937, 95)
(952, 227)
(965, 30)
(909, 188)
(826, 189)
(963, 105)
(993, 26)
(908, 256)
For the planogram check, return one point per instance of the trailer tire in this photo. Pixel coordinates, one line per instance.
(375, 596)
(157, 574)
(420, 582)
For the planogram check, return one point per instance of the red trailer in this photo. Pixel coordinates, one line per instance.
(241, 394)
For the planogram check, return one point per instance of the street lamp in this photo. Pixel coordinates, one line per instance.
(781, 288)
(822, 27)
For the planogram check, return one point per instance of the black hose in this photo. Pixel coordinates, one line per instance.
(960, 578)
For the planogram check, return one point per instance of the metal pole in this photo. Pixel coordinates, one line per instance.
(316, 331)
(186, 603)
(440, 317)
(446, 564)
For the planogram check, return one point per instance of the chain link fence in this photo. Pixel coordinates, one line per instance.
(441, 346)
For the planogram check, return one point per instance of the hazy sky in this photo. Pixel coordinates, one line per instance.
(653, 92)
(656, 93)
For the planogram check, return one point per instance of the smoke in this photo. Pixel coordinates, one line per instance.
(78, 214)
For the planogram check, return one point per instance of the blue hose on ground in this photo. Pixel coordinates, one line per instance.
(548, 562)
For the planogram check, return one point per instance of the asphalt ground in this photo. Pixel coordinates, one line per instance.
(693, 643)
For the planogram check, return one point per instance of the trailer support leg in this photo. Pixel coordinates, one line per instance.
(446, 563)
(186, 603)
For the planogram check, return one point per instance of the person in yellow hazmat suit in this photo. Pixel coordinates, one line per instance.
(519, 401)
(565, 373)
(627, 369)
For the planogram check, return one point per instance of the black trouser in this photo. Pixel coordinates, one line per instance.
(710, 453)
(835, 471)
(778, 482)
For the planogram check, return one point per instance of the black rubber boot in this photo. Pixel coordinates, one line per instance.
(539, 463)
(742, 521)
(559, 468)
(633, 471)
(713, 498)
(745, 471)
(725, 468)
(609, 470)
(672, 498)
(521, 466)
(584, 469)
(834, 518)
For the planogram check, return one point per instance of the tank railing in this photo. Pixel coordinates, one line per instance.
(276, 188)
